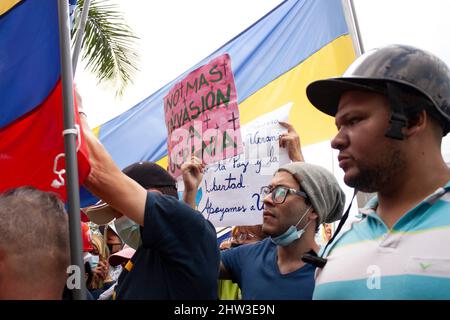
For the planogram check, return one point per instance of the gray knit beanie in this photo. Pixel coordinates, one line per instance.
(322, 188)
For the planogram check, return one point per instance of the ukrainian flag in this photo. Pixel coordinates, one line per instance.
(273, 61)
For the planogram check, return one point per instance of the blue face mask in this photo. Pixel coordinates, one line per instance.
(291, 234)
(93, 261)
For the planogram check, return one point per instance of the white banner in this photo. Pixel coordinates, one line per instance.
(230, 190)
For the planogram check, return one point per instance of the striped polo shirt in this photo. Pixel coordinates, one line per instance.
(410, 261)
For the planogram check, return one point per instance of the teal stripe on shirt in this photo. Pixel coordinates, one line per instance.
(367, 229)
(403, 287)
(438, 216)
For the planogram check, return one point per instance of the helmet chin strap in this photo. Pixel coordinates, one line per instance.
(398, 119)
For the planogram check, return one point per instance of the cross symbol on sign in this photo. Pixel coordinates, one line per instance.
(233, 119)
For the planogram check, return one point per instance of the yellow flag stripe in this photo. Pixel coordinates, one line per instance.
(312, 125)
(6, 5)
(96, 131)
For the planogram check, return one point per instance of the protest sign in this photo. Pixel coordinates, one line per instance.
(202, 116)
(230, 190)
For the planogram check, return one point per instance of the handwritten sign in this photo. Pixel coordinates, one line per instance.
(231, 188)
(202, 116)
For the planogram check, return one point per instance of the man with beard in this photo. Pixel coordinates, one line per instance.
(392, 108)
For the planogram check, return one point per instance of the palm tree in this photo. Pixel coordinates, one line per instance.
(108, 46)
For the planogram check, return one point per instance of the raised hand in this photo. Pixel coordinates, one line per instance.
(192, 173)
(291, 141)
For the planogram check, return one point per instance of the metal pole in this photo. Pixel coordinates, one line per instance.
(80, 33)
(73, 197)
(353, 26)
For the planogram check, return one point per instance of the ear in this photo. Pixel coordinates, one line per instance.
(313, 215)
(416, 124)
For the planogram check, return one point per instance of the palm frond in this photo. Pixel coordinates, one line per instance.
(108, 45)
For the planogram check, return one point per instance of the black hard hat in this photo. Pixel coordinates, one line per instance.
(404, 66)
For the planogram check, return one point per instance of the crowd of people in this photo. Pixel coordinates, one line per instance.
(391, 109)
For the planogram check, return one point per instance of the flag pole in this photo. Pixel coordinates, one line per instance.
(70, 135)
(80, 33)
(353, 26)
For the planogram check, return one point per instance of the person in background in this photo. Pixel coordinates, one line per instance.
(120, 258)
(101, 279)
(242, 235)
(327, 232)
(113, 241)
(114, 244)
(34, 245)
(239, 235)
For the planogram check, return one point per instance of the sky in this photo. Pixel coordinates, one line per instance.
(176, 34)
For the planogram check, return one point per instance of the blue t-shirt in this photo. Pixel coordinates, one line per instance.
(254, 268)
(179, 255)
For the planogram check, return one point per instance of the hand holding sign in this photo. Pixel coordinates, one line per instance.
(192, 173)
(291, 141)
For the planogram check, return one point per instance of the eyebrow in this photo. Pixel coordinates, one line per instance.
(345, 115)
(338, 118)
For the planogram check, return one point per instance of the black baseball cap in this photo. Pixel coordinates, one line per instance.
(147, 174)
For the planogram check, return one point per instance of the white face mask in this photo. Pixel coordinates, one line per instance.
(291, 234)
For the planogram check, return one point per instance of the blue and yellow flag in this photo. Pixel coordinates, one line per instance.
(273, 61)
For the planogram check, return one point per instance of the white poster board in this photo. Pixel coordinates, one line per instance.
(230, 190)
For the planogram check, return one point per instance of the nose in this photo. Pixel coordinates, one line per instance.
(268, 199)
(340, 140)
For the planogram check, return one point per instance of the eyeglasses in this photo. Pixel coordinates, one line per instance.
(279, 193)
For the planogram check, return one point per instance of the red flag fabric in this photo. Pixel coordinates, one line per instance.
(31, 109)
(29, 149)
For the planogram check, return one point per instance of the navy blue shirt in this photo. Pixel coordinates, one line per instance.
(254, 268)
(179, 256)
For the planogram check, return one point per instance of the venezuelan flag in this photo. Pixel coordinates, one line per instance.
(272, 61)
(31, 112)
